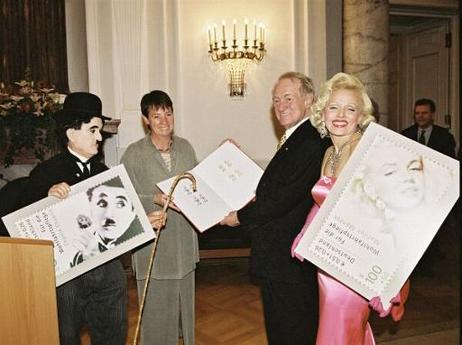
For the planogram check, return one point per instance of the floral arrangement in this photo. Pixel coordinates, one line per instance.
(26, 119)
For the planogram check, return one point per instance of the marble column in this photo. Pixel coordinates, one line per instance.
(365, 47)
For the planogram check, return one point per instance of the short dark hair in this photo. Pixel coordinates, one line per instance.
(156, 99)
(426, 101)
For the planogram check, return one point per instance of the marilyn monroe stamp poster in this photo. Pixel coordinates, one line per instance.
(382, 213)
(101, 219)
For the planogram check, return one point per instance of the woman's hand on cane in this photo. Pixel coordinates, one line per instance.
(157, 219)
(160, 199)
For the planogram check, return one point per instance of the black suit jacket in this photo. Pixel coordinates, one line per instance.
(283, 199)
(11, 199)
(440, 139)
(60, 168)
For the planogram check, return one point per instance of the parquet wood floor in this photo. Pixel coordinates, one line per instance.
(228, 306)
(229, 310)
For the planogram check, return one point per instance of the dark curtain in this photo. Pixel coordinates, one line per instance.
(33, 36)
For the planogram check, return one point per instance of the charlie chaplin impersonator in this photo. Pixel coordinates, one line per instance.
(97, 298)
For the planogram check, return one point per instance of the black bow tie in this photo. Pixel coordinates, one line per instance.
(85, 165)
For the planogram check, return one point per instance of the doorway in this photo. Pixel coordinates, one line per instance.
(423, 63)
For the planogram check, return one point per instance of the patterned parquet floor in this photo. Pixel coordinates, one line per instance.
(229, 310)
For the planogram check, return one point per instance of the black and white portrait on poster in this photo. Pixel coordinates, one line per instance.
(383, 212)
(100, 220)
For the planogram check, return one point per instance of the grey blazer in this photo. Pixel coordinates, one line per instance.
(177, 249)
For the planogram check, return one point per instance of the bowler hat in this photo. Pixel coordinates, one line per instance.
(79, 107)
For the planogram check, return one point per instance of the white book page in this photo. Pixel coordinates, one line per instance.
(226, 181)
(204, 208)
(231, 174)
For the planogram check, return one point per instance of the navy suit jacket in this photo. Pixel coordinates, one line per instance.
(283, 200)
(440, 139)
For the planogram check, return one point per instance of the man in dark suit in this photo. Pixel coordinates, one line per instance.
(97, 298)
(283, 198)
(439, 139)
(426, 133)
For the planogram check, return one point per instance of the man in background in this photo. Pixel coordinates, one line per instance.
(427, 133)
(288, 287)
(439, 139)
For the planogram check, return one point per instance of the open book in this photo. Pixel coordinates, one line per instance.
(226, 181)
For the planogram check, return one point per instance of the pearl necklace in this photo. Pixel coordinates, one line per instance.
(334, 157)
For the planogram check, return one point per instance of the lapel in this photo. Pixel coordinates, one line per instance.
(414, 133)
(291, 144)
(433, 137)
(69, 165)
(294, 140)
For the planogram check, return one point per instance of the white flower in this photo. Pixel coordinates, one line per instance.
(35, 98)
(46, 90)
(22, 83)
(7, 106)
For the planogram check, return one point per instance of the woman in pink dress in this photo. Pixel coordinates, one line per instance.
(343, 110)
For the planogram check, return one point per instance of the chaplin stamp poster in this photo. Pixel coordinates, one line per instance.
(101, 219)
(382, 213)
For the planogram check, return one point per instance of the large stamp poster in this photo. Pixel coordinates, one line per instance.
(382, 213)
(101, 219)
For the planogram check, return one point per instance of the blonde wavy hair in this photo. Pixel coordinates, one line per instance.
(341, 81)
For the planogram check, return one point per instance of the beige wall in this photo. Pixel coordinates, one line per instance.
(135, 46)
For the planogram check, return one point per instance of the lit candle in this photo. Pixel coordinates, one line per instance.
(255, 31)
(210, 36)
(234, 29)
(246, 21)
(223, 24)
(214, 33)
(263, 34)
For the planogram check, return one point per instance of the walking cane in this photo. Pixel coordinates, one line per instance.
(153, 252)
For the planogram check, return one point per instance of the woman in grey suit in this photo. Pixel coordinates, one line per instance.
(170, 297)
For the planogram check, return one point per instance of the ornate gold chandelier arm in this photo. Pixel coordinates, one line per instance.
(236, 58)
(190, 177)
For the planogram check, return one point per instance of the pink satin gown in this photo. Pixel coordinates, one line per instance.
(343, 314)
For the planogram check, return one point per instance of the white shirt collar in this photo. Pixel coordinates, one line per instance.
(82, 158)
(292, 129)
(427, 130)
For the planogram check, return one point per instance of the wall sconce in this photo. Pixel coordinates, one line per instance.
(237, 58)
